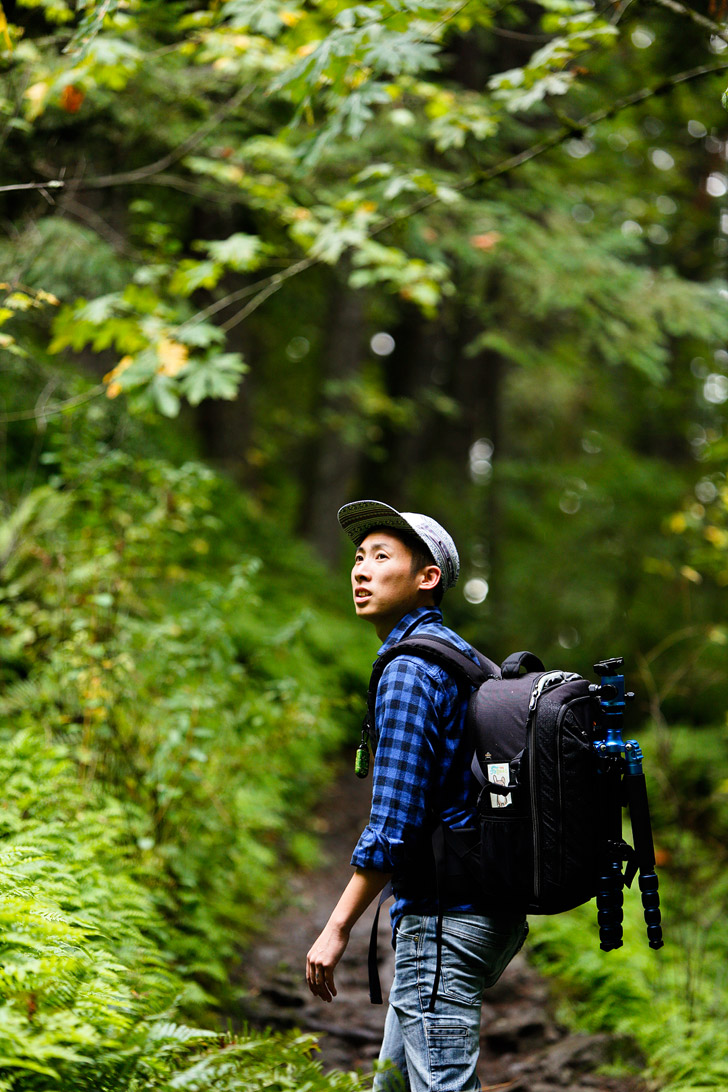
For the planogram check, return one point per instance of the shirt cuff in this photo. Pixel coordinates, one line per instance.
(374, 850)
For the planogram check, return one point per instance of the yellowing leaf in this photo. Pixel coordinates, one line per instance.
(4, 30)
(677, 523)
(691, 574)
(173, 357)
(36, 96)
(20, 301)
(124, 363)
(114, 390)
(47, 297)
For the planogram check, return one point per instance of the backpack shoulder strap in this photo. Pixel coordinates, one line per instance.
(438, 651)
(441, 652)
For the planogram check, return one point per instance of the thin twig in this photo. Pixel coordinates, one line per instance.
(50, 411)
(99, 226)
(53, 184)
(276, 281)
(142, 173)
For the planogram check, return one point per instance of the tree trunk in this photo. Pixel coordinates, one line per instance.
(328, 478)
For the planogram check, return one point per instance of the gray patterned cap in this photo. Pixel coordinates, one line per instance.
(361, 517)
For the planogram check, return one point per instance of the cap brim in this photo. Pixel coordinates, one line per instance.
(360, 517)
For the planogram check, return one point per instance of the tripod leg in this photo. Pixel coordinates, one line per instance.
(609, 905)
(639, 811)
(611, 880)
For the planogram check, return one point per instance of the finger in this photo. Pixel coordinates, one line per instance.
(313, 975)
(319, 982)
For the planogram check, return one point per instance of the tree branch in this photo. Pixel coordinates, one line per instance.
(498, 170)
(559, 137)
(701, 20)
(53, 184)
(141, 174)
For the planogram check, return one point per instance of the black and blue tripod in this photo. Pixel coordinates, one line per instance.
(620, 764)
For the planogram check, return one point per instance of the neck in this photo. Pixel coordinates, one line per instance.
(384, 626)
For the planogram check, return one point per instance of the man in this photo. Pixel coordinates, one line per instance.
(404, 563)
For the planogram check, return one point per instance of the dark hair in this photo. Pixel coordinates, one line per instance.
(421, 556)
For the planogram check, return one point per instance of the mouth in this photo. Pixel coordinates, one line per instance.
(361, 594)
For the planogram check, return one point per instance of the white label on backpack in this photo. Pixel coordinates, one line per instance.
(500, 774)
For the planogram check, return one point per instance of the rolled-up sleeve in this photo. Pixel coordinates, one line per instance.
(411, 700)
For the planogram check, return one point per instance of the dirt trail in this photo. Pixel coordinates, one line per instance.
(523, 1048)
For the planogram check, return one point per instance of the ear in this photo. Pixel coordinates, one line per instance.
(430, 577)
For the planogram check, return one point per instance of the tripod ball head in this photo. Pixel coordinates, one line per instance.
(609, 667)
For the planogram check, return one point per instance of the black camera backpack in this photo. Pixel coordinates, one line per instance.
(553, 775)
(532, 736)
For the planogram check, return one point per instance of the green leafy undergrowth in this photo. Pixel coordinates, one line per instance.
(168, 710)
(87, 994)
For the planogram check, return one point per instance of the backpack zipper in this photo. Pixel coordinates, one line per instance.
(533, 775)
(548, 681)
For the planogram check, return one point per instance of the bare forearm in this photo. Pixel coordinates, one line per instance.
(361, 890)
(327, 950)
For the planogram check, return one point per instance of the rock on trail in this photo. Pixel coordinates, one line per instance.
(523, 1048)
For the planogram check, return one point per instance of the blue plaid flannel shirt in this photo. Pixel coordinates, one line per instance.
(419, 726)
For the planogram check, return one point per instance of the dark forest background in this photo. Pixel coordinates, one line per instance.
(262, 258)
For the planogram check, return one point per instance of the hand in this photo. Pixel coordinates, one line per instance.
(362, 888)
(325, 953)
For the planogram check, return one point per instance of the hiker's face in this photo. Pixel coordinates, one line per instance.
(383, 582)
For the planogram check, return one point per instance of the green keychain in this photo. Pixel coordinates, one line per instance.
(361, 762)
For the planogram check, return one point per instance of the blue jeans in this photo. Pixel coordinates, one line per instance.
(438, 1051)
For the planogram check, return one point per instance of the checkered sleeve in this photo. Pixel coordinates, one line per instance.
(413, 697)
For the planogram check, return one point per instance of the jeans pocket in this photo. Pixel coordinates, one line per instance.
(449, 1044)
(409, 928)
(475, 955)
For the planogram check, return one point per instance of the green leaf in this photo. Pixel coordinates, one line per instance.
(164, 394)
(217, 377)
(239, 251)
(192, 275)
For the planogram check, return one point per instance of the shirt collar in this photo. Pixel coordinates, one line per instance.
(409, 623)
